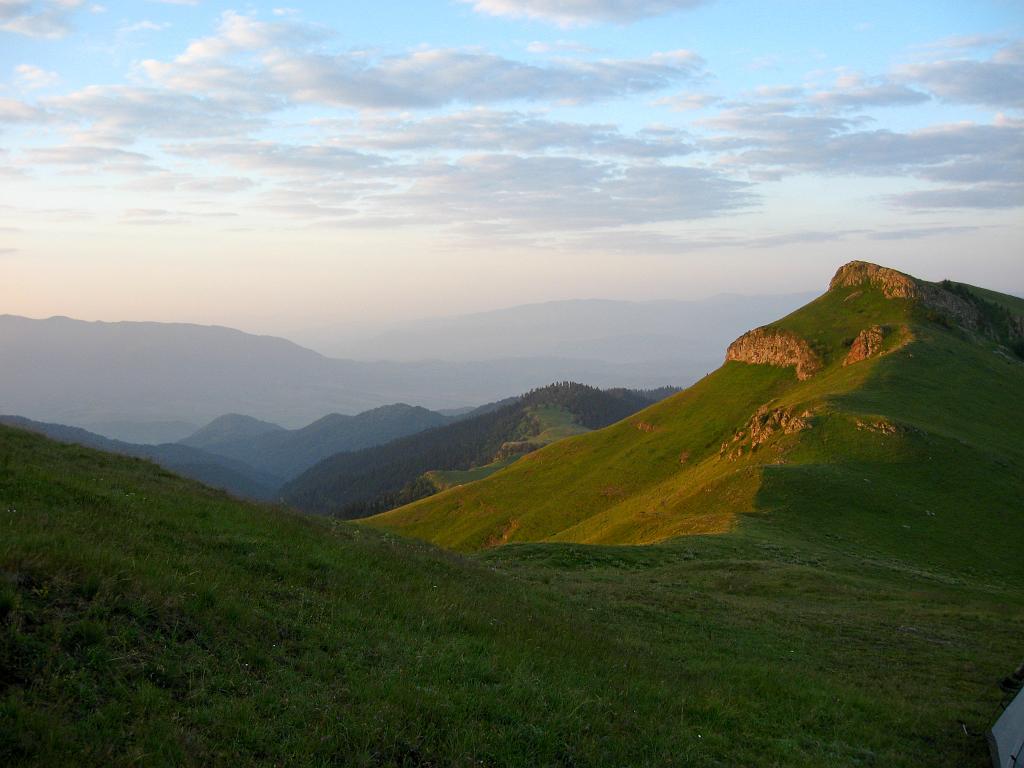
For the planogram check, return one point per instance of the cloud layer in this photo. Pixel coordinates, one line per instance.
(271, 119)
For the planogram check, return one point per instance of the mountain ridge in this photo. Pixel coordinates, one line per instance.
(703, 461)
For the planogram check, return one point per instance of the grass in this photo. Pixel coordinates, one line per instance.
(146, 619)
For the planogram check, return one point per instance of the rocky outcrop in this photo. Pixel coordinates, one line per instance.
(765, 423)
(893, 284)
(867, 344)
(773, 346)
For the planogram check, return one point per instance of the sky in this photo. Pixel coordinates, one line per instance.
(278, 167)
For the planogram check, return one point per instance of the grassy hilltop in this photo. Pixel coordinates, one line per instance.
(914, 448)
(860, 617)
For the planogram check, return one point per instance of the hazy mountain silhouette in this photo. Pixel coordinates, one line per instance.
(597, 329)
(85, 373)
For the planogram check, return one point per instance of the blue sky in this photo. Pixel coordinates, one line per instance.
(276, 166)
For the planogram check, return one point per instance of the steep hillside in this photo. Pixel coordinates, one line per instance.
(216, 471)
(286, 453)
(146, 620)
(889, 410)
(362, 482)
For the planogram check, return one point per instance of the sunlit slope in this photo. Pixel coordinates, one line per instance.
(913, 445)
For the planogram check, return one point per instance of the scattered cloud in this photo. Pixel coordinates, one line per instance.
(88, 159)
(687, 102)
(558, 46)
(38, 18)
(14, 111)
(914, 233)
(985, 196)
(576, 12)
(854, 92)
(29, 77)
(143, 26)
(278, 159)
(248, 57)
(119, 114)
(506, 193)
(994, 82)
(493, 130)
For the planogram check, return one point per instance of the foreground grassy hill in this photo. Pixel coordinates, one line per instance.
(888, 412)
(147, 620)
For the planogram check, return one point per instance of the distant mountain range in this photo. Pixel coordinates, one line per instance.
(285, 453)
(138, 377)
(623, 332)
(159, 382)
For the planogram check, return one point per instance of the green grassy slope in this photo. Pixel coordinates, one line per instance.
(925, 436)
(147, 620)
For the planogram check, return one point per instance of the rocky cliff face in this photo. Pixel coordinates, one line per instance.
(771, 346)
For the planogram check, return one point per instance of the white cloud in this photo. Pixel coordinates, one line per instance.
(984, 196)
(572, 12)
(14, 111)
(87, 159)
(855, 92)
(38, 18)
(507, 193)
(249, 57)
(287, 160)
(30, 77)
(119, 114)
(494, 130)
(995, 82)
(558, 46)
(143, 26)
(686, 102)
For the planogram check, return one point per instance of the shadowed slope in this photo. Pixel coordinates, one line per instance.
(145, 619)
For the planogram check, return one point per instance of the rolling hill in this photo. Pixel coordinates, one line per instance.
(145, 619)
(358, 483)
(889, 409)
(286, 453)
